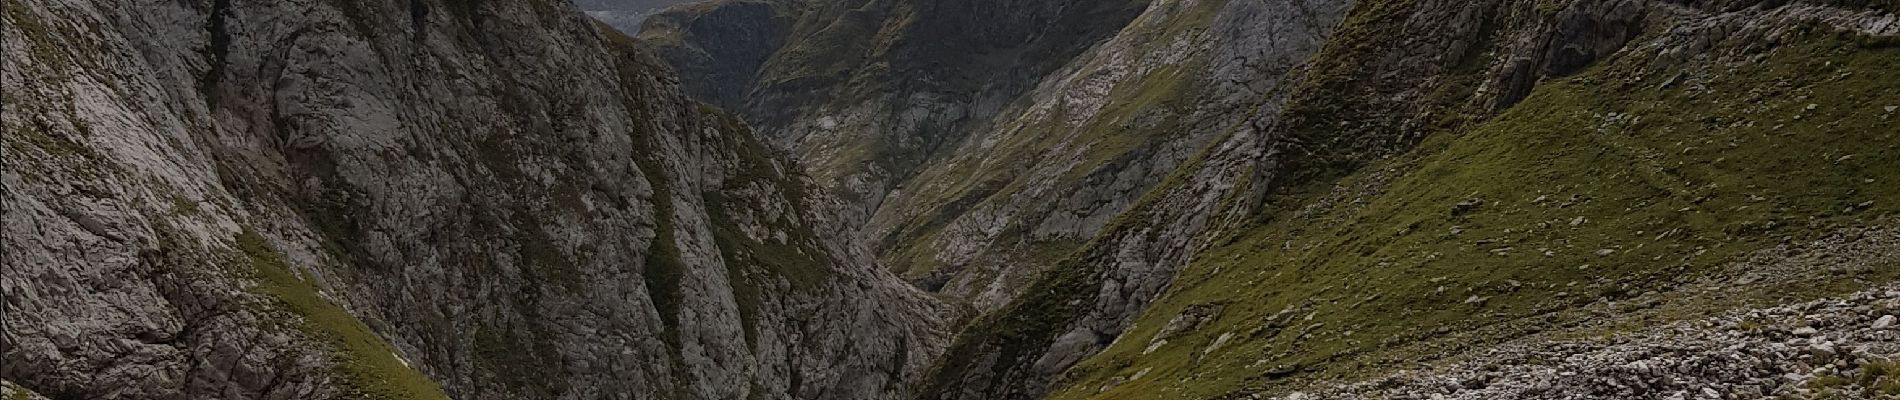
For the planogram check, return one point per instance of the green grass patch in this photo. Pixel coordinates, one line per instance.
(185, 207)
(1874, 380)
(17, 392)
(1880, 379)
(366, 363)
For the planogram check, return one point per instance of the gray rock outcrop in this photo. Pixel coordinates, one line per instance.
(406, 199)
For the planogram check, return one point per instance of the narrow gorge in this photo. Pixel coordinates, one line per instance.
(950, 199)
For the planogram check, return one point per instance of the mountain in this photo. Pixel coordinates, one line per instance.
(968, 199)
(417, 199)
(1226, 199)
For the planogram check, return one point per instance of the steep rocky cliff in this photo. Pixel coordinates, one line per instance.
(411, 199)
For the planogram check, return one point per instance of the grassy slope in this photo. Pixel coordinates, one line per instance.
(1667, 183)
(366, 362)
(16, 392)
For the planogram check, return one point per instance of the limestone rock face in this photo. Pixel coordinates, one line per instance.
(411, 199)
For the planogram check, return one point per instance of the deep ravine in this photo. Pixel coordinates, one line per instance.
(1225, 198)
(952, 199)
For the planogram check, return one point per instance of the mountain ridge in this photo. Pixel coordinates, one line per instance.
(984, 199)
